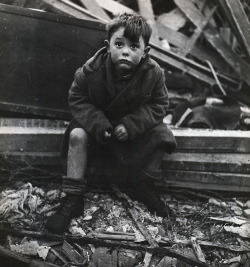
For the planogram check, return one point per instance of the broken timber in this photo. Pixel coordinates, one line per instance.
(204, 159)
(238, 21)
(212, 36)
(164, 251)
(39, 81)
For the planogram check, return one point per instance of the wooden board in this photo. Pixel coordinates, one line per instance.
(62, 8)
(94, 8)
(209, 162)
(239, 21)
(206, 180)
(37, 64)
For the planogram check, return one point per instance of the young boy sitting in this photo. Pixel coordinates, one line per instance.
(118, 100)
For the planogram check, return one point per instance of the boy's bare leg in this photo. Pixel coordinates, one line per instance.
(73, 184)
(77, 154)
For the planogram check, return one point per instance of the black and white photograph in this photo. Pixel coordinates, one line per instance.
(124, 133)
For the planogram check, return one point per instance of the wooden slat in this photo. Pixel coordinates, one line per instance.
(94, 8)
(240, 21)
(202, 163)
(206, 181)
(62, 8)
(212, 141)
(188, 140)
(209, 162)
(146, 10)
(192, 40)
(20, 139)
(172, 62)
(199, 51)
(114, 7)
(212, 36)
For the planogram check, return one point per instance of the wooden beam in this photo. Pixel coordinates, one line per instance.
(146, 10)
(206, 181)
(180, 40)
(238, 17)
(208, 162)
(188, 140)
(212, 141)
(212, 36)
(199, 51)
(64, 9)
(198, 31)
(95, 9)
(114, 7)
(15, 108)
(175, 62)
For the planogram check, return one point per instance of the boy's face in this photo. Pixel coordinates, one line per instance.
(125, 54)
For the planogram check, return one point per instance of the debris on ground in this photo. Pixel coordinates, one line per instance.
(206, 231)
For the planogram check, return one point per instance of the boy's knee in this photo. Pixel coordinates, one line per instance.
(77, 137)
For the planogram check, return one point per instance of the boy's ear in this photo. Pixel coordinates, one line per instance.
(146, 50)
(107, 45)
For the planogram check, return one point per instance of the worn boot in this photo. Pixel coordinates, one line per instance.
(72, 206)
(145, 193)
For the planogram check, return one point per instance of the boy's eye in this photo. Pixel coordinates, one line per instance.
(134, 46)
(119, 44)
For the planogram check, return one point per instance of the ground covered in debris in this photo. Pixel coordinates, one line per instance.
(210, 228)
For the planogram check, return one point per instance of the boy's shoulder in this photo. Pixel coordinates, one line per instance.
(95, 61)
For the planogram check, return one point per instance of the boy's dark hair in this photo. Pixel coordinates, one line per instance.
(135, 27)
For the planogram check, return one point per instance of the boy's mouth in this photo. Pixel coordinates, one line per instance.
(124, 61)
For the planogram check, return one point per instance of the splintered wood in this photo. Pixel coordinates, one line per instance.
(210, 229)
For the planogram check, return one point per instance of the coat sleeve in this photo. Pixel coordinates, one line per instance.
(149, 114)
(91, 118)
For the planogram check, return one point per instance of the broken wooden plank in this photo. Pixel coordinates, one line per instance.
(95, 9)
(199, 51)
(197, 249)
(147, 259)
(104, 243)
(114, 237)
(60, 257)
(114, 7)
(212, 36)
(133, 213)
(72, 254)
(146, 10)
(237, 17)
(16, 258)
(192, 40)
(175, 62)
(64, 9)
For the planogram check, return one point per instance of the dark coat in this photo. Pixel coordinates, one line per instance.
(141, 105)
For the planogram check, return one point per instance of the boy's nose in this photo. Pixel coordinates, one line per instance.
(125, 52)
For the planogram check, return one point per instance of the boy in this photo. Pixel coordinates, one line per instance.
(118, 100)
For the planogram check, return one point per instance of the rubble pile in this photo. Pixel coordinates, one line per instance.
(209, 229)
(203, 46)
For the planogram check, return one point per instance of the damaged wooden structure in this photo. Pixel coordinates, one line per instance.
(38, 63)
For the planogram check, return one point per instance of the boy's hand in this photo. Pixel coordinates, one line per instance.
(121, 132)
(107, 135)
